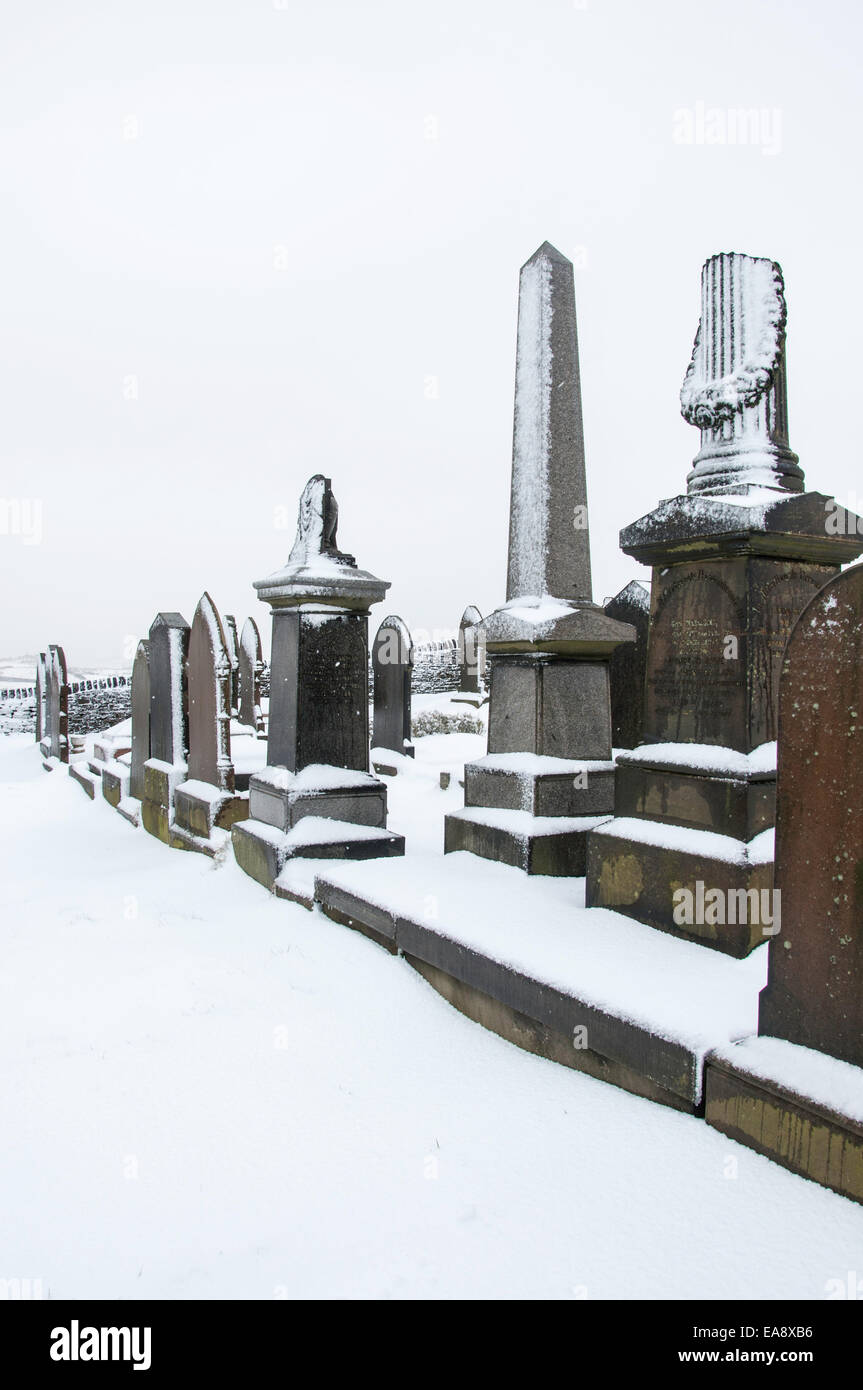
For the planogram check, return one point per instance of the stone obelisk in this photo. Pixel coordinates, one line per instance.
(735, 561)
(548, 776)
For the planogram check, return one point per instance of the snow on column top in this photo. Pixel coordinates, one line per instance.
(549, 546)
(734, 390)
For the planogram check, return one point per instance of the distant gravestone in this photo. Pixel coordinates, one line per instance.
(209, 685)
(627, 666)
(392, 666)
(140, 719)
(41, 692)
(469, 651)
(229, 627)
(814, 993)
(169, 721)
(58, 704)
(251, 666)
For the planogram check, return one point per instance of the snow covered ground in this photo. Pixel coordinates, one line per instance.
(210, 1093)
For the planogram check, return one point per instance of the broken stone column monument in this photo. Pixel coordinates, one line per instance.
(795, 1092)
(735, 560)
(316, 797)
(206, 800)
(392, 669)
(166, 766)
(548, 776)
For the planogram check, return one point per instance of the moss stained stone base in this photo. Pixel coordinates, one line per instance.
(803, 1135)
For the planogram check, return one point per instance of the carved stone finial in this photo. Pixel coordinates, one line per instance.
(734, 390)
(316, 526)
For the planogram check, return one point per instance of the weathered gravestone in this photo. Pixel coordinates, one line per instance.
(627, 667)
(392, 669)
(251, 666)
(734, 562)
(777, 1092)
(140, 719)
(471, 655)
(232, 642)
(169, 722)
(58, 704)
(318, 734)
(548, 773)
(206, 800)
(41, 694)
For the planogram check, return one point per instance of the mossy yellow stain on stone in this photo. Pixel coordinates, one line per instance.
(620, 881)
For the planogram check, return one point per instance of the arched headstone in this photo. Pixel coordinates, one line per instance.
(628, 664)
(392, 664)
(251, 666)
(140, 719)
(469, 651)
(169, 720)
(209, 684)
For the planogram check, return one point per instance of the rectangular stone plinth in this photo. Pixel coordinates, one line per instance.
(281, 798)
(262, 851)
(540, 786)
(787, 1112)
(549, 705)
(738, 800)
(201, 808)
(553, 845)
(666, 876)
(85, 779)
(319, 689)
(115, 782)
(161, 780)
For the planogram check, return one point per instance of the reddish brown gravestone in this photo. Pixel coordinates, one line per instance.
(209, 678)
(814, 994)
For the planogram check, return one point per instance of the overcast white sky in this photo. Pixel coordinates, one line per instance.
(277, 222)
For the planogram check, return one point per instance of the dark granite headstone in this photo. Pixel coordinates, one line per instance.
(169, 717)
(58, 704)
(392, 667)
(140, 719)
(209, 686)
(319, 707)
(41, 693)
(251, 666)
(470, 651)
(814, 993)
(627, 666)
(229, 627)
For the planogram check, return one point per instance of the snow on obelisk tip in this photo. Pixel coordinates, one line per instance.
(549, 547)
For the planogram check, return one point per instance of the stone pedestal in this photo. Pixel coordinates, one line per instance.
(548, 777)
(318, 739)
(734, 563)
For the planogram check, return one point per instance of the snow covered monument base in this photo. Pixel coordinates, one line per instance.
(548, 773)
(316, 798)
(795, 1092)
(734, 562)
